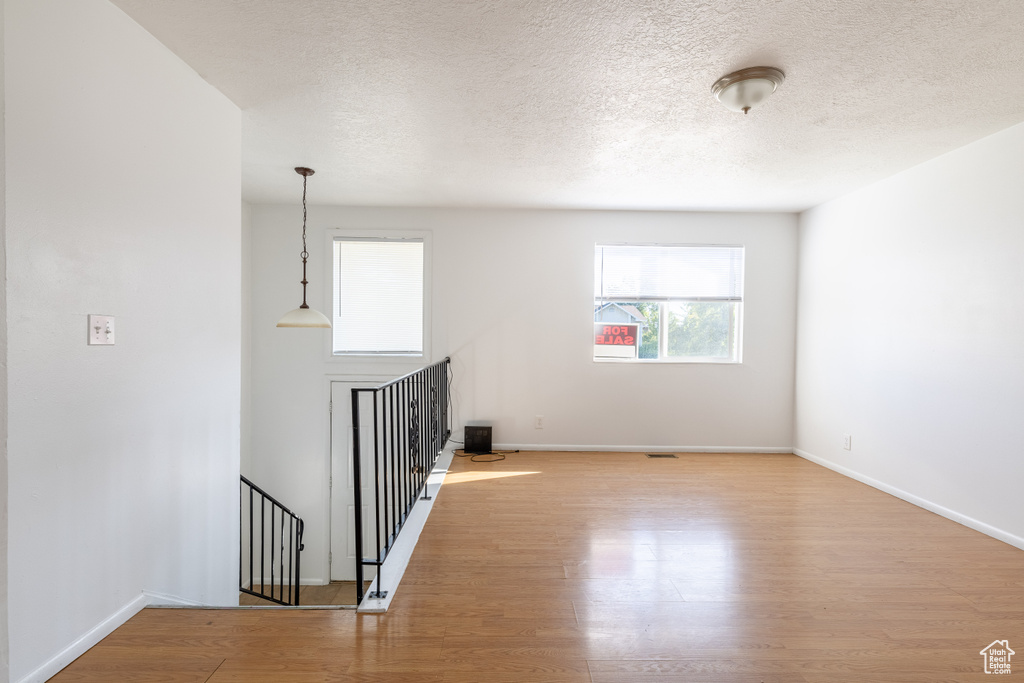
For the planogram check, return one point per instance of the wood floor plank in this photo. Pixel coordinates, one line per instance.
(127, 667)
(609, 567)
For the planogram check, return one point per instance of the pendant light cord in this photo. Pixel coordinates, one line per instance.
(304, 316)
(304, 254)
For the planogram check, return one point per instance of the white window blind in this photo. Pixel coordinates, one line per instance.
(668, 273)
(378, 296)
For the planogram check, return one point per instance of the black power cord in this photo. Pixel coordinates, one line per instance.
(461, 452)
(473, 456)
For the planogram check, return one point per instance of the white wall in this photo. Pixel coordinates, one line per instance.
(512, 297)
(246, 350)
(910, 334)
(123, 187)
(4, 651)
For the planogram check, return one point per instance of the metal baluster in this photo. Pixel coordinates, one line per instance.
(280, 558)
(272, 512)
(263, 537)
(251, 583)
(413, 443)
(394, 392)
(403, 435)
(410, 392)
(299, 547)
(425, 434)
(291, 567)
(432, 392)
(444, 404)
(395, 475)
(357, 494)
(241, 541)
(377, 444)
(376, 498)
(439, 378)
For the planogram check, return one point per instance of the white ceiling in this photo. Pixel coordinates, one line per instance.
(595, 103)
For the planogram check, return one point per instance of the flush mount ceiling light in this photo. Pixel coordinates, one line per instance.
(744, 89)
(304, 316)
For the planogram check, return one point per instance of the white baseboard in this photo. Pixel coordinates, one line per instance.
(165, 600)
(970, 522)
(641, 449)
(103, 629)
(86, 641)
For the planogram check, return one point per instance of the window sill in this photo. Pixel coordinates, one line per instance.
(357, 354)
(668, 361)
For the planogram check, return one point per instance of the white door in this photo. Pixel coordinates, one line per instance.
(343, 540)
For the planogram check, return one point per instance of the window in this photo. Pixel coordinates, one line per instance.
(668, 303)
(378, 296)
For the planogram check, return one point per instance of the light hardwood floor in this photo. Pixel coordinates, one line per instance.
(614, 567)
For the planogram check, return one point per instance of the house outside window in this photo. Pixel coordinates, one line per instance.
(668, 303)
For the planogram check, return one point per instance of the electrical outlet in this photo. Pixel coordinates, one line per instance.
(538, 422)
(847, 442)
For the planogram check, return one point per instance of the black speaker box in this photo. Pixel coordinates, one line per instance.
(478, 440)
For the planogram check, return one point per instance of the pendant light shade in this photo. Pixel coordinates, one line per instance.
(304, 316)
(744, 89)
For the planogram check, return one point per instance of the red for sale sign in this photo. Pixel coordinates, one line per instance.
(611, 334)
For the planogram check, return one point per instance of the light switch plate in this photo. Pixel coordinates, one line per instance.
(101, 330)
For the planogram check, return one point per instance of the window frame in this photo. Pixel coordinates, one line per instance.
(736, 315)
(380, 362)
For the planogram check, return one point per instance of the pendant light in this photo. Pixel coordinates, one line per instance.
(741, 90)
(304, 316)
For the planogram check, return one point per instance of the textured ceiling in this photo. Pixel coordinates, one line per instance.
(595, 103)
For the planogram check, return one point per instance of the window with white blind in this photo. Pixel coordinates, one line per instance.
(668, 303)
(378, 296)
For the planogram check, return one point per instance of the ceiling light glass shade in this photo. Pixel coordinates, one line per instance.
(744, 89)
(304, 317)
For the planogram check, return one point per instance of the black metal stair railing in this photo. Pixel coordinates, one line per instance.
(407, 430)
(270, 544)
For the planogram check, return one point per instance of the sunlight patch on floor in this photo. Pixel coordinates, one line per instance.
(466, 477)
